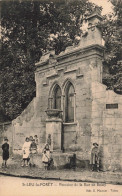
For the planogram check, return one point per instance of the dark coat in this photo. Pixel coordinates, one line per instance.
(94, 156)
(5, 148)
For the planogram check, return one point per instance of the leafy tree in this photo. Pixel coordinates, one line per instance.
(28, 29)
(112, 33)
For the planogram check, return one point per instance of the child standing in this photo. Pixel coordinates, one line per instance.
(30, 139)
(95, 157)
(5, 148)
(49, 141)
(46, 156)
(26, 152)
(33, 152)
(36, 139)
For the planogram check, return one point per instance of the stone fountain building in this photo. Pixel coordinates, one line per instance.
(72, 106)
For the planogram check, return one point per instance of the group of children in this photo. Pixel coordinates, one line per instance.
(30, 152)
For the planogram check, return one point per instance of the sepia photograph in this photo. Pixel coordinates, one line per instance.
(61, 98)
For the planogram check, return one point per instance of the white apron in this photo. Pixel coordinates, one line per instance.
(26, 150)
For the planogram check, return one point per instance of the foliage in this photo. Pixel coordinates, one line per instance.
(112, 33)
(28, 29)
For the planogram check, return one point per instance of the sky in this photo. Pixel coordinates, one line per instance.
(107, 6)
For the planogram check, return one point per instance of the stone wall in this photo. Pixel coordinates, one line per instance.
(93, 122)
(107, 125)
(27, 124)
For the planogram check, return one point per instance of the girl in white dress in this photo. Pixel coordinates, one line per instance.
(26, 152)
(46, 156)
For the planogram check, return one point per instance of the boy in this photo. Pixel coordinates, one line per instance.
(5, 148)
(95, 157)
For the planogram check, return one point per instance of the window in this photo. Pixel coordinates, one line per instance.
(57, 98)
(54, 101)
(69, 113)
(50, 103)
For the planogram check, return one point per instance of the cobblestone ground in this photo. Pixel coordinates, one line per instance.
(14, 168)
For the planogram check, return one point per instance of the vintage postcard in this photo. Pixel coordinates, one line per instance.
(61, 98)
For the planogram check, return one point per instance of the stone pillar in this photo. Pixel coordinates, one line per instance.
(54, 129)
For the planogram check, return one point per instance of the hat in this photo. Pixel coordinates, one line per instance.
(5, 139)
(95, 144)
(46, 146)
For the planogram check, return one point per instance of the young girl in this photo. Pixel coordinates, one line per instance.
(5, 148)
(36, 139)
(33, 152)
(46, 156)
(26, 152)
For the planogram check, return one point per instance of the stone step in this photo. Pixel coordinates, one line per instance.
(69, 160)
